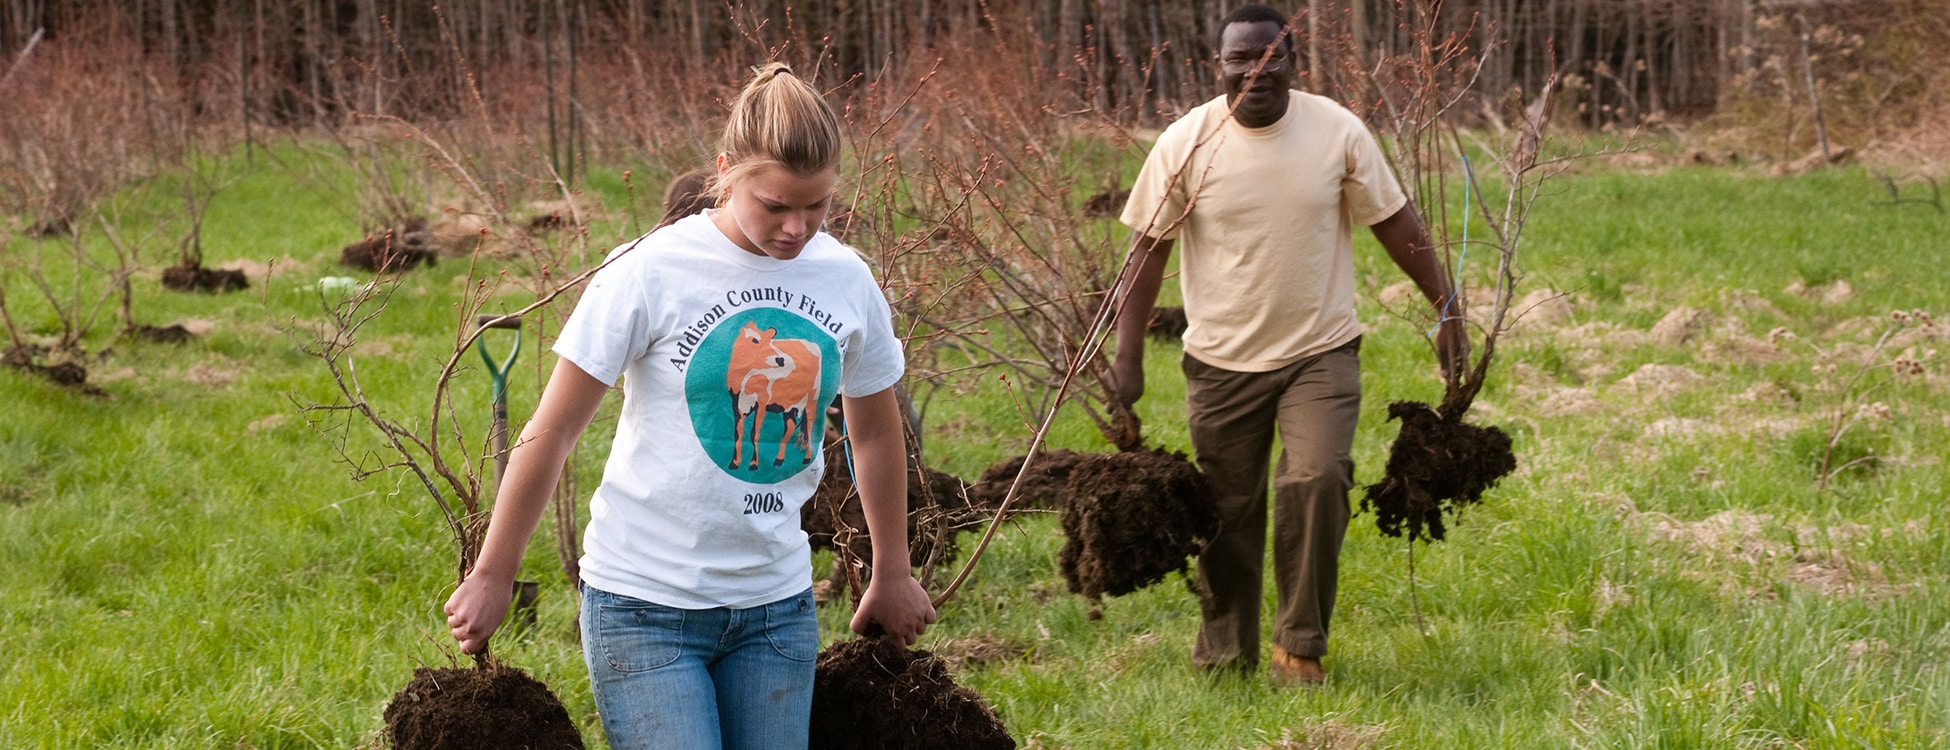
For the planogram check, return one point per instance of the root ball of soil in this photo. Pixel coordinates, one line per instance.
(1106, 204)
(66, 373)
(1132, 517)
(53, 226)
(391, 250)
(1167, 324)
(937, 506)
(873, 694)
(494, 707)
(189, 278)
(1045, 486)
(169, 334)
(1436, 464)
(547, 222)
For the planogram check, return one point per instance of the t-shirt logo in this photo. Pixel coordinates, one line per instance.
(780, 370)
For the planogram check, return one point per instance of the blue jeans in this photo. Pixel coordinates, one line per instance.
(694, 679)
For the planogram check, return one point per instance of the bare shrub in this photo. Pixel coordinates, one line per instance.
(84, 117)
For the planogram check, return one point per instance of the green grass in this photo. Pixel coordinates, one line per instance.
(186, 563)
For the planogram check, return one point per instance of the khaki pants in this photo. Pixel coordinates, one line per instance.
(1314, 403)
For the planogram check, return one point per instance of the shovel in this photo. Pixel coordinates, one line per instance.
(499, 371)
(526, 592)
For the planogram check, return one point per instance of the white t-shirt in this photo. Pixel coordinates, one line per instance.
(728, 360)
(1267, 249)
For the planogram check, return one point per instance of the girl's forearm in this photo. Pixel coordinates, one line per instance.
(874, 432)
(535, 464)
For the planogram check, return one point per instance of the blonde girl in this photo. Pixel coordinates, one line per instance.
(729, 330)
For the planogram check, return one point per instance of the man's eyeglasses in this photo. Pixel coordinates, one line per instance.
(1245, 65)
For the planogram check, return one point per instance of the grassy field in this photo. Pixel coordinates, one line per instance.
(185, 562)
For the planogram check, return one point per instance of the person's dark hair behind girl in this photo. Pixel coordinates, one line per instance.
(687, 194)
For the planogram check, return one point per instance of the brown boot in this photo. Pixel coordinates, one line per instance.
(1295, 671)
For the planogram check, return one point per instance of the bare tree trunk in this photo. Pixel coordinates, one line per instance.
(1149, 88)
(922, 35)
(1600, 60)
(244, 86)
(548, 86)
(576, 145)
(373, 35)
(1657, 36)
(1357, 21)
(887, 24)
(313, 72)
(1120, 82)
(172, 37)
(1494, 23)
(699, 18)
(1814, 91)
(1315, 71)
(1575, 30)
(1746, 35)
(1068, 41)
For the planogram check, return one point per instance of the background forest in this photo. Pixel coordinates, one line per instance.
(1723, 379)
(102, 88)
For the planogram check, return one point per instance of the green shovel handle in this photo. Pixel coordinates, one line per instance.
(499, 371)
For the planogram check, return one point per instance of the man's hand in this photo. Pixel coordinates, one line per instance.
(1452, 348)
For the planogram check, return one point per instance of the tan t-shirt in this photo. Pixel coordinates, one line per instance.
(1267, 247)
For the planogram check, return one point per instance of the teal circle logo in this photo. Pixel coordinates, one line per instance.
(758, 387)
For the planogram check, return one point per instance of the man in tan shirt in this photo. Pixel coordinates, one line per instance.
(1262, 187)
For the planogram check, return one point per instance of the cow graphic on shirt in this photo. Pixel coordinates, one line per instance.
(770, 375)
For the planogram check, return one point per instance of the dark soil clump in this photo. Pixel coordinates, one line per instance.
(68, 374)
(65, 373)
(196, 278)
(547, 222)
(1436, 464)
(833, 518)
(170, 334)
(872, 694)
(397, 249)
(1047, 483)
(466, 709)
(936, 506)
(54, 226)
(1167, 324)
(1131, 518)
(1106, 204)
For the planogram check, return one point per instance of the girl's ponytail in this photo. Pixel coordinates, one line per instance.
(779, 120)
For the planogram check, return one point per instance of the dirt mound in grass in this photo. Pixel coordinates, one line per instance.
(1435, 464)
(66, 373)
(187, 277)
(873, 694)
(170, 334)
(1132, 517)
(477, 709)
(392, 249)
